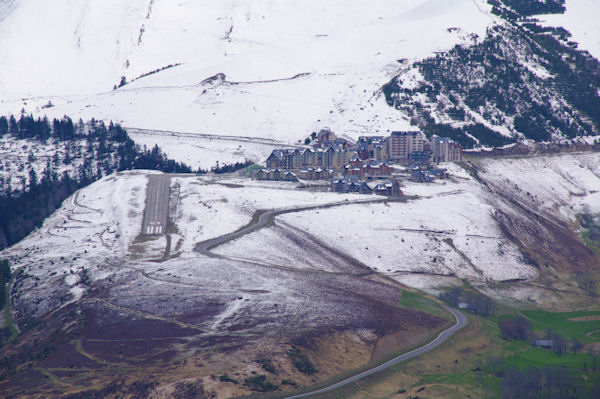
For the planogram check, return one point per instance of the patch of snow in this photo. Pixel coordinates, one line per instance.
(422, 235)
(537, 70)
(77, 293)
(561, 184)
(71, 279)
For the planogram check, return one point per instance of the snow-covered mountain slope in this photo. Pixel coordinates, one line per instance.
(505, 225)
(526, 79)
(289, 67)
(281, 70)
(581, 19)
(89, 280)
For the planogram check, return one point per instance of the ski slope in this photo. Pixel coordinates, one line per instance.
(289, 67)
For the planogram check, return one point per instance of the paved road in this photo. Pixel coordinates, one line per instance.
(157, 205)
(265, 218)
(461, 321)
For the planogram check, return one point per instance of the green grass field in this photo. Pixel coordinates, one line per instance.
(560, 322)
(474, 362)
(537, 357)
(420, 302)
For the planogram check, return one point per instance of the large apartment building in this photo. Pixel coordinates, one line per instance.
(402, 144)
(445, 149)
(370, 156)
(310, 158)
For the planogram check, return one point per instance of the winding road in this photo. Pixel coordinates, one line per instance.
(461, 321)
(265, 218)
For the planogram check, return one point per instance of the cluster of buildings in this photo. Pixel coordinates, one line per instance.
(329, 151)
(348, 165)
(345, 185)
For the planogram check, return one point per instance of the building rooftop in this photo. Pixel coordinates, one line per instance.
(406, 133)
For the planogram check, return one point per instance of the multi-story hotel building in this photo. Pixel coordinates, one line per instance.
(402, 144)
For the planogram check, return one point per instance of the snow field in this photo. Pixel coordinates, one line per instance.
(299, 66)
(204, 153)
(563, 184)
(419, 236)
(207, 210)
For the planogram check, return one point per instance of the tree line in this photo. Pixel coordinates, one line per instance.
(228, 167)
(471, 300)
(550, 382)
(519, 328)
(547, 382)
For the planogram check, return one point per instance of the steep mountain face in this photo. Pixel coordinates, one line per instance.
(523, 80)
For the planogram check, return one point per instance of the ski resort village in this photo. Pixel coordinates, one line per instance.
(372, 164)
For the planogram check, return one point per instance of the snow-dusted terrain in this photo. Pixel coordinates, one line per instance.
(205, 151)
(445, 230)
(86, 231)
(155, 297)
(209, 210)
(504, 225)
(20, 156)
(289, 67)
(220, 82)
(581, 19)
(455, 228)
(561, 185)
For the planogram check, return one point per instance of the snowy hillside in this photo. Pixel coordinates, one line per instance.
(581, 19)
(289, 67)
(512, 223)
(528, 78)
(89, 278)
(281, 70)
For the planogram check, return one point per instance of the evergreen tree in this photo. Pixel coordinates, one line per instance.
(13, 127)
(3, 125)
(33, 181)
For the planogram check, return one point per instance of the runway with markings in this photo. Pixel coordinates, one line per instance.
(157, 205)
